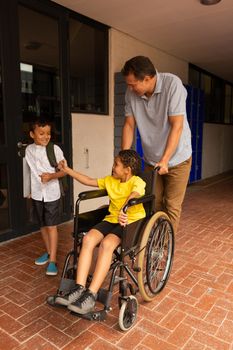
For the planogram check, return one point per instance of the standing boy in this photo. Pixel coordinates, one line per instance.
(45, 190)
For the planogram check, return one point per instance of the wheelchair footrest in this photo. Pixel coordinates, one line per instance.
(93, 316)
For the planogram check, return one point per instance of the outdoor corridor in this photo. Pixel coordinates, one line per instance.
(193, 312)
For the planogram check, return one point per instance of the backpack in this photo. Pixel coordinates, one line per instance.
(53, 162)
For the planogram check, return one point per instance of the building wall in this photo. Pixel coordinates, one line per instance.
(217, 155)
(96, 133)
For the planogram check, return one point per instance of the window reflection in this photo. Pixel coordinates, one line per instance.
(40, 76)
(88, 67)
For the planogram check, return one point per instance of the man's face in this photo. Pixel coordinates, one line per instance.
(140, 87)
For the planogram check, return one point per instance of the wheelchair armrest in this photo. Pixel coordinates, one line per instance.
(92, 194)
(135, 201)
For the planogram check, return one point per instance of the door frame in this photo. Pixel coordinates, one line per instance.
(10, 59)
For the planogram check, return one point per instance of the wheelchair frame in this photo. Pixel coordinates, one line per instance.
(149, 246)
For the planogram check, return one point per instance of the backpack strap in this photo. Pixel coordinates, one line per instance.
(51, 154)
(53, 162)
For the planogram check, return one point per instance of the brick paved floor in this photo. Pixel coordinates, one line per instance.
(195, 310)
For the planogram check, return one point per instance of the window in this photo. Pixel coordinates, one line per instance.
(88, 66)
(40, 70)
(228, 117)
(2, 126)
(218, 95)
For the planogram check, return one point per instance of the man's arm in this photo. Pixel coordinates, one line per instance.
(176, 123)
(128, 133)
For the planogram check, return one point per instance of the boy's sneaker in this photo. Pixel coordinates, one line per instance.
(43, 259)
(85, 304)
(70, 297)
(52, 269)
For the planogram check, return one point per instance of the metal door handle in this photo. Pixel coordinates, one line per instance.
(21, 144)
(22, 147)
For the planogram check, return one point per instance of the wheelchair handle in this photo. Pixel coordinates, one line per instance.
(135, 201)
(157, 168)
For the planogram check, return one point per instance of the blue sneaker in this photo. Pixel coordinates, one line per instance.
(43, 259)
(52, 269)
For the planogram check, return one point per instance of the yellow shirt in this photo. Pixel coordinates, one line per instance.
(118, 193)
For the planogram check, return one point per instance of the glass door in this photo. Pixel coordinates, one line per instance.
(4, 190)
(33, 82)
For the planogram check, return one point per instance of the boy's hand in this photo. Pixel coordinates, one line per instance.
(46, 177)
(62, 165)
(122, 218)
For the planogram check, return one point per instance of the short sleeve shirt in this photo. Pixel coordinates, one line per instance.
(38, 162)
(151, 116)
(118, 193)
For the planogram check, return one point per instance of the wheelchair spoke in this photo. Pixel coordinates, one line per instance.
(158, 255)
(156, 259)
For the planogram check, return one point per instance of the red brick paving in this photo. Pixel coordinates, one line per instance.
(193, 312)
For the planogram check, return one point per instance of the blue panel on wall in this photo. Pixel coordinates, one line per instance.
(195, 116)
(139, 148)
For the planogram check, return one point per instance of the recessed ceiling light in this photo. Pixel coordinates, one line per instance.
(209, 2)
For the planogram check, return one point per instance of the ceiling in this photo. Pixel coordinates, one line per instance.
(199, 34)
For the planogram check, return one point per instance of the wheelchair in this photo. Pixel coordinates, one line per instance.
(142, 263)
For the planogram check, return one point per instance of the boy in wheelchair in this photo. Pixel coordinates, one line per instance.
(121, 186)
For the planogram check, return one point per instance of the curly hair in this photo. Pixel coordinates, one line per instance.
(131, 158)
(39, 121)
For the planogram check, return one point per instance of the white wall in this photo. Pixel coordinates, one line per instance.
(217, 155)
(96, 133)
(93, 133)
(123, 47)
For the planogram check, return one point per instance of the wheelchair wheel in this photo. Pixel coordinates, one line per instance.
(51, 300)
(128, 313)
(156, 255)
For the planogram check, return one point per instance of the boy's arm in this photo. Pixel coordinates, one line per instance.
(46, 177)
(122, 217)
(83, 179)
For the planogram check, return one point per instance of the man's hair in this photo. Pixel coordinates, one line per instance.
(131, 158)
(39, 121)
(139, 66)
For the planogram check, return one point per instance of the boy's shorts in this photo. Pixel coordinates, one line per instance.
(46, 213)
(106, 227)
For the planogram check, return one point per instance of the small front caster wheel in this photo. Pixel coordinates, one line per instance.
(51, 300)
(128, 313)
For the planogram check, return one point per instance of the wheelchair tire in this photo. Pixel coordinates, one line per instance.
(128, 313)
(156, 255)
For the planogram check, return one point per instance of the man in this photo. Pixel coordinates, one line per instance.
(156, 103)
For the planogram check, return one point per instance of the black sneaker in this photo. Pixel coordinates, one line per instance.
(84, 304)
(70, 297)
